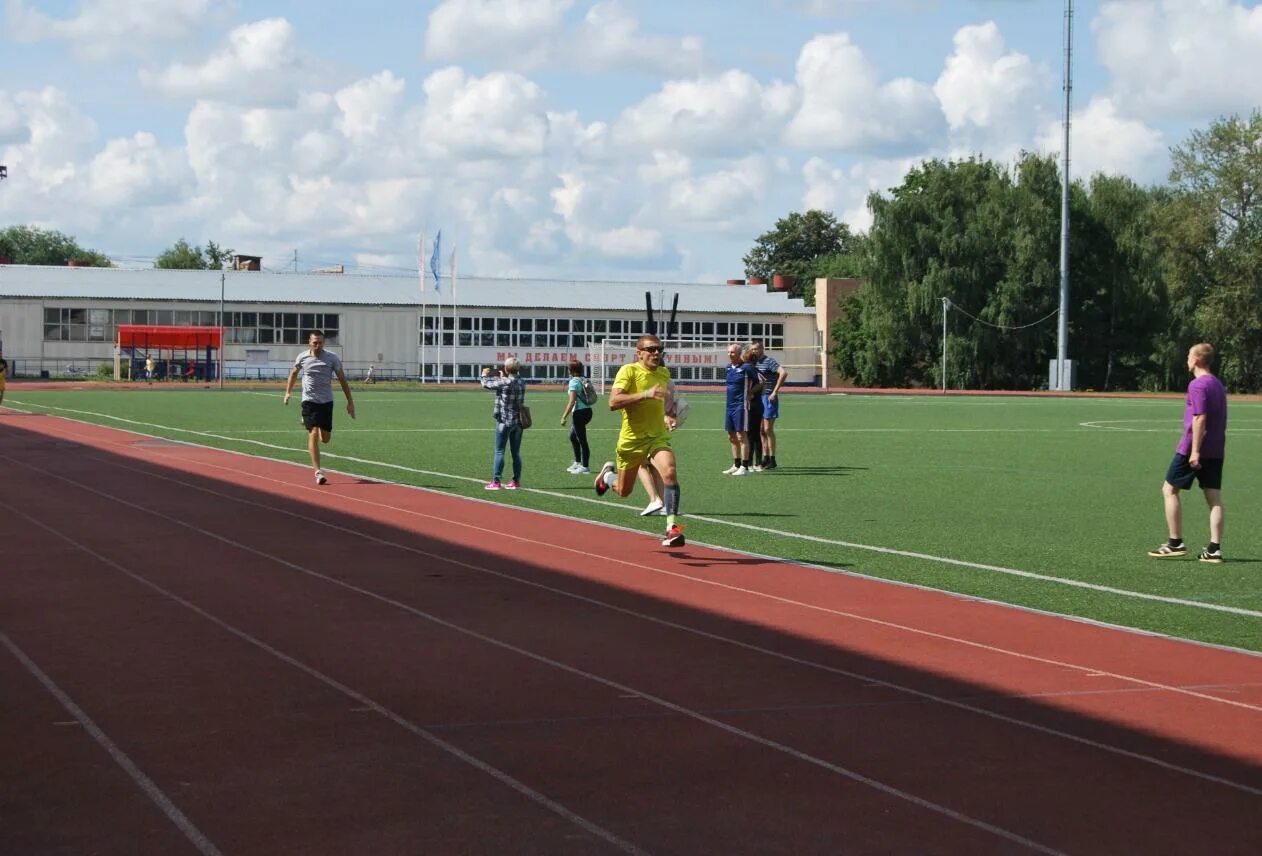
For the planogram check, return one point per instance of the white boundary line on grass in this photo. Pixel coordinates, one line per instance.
(814, 539)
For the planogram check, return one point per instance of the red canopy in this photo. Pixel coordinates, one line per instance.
(160, 336)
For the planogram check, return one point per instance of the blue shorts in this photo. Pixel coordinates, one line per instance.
(771, 409)
(1181, 475)
(737, 420)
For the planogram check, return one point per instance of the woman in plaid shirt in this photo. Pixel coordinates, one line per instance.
(510, 395)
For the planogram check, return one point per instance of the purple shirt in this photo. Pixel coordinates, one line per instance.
(1206, 395)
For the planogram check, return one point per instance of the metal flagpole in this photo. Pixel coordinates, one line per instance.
(420, 264)
(455, 324)
(946, 302)
(223, 277)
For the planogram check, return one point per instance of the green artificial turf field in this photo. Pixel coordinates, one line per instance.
(1049, 503)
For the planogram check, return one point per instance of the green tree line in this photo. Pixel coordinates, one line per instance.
(1153, 270)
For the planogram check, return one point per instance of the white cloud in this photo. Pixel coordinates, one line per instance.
(1101, 140)
(990, 97)
(731, 112)
(259, 64)
(52, 138)
(844, 191)
(1193, 59)
(498, 115)
(367, 105)
(845, 107)
(108, 28)
(136, 172)
(609, 39)
(529, 34)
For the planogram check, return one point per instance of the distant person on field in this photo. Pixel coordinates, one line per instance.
(510, 397)
(368, 378)
(741, 380)
(318, 368)
(641, 390)
(1198, 457)
(149, 368)
(773, 377)
(4, 377)
(581, 412)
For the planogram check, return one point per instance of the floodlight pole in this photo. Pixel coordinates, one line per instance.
(946, 303)
(222, 338)
(1062, 328)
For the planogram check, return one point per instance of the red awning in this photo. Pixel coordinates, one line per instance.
(155, 336)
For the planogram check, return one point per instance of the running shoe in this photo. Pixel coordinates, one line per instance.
(494, 485)
(1214, 557)
(733, 468)
(512, 485)
(601, 485)
(1165, 551)
(654, 507)
(674, 537)
(319, 477)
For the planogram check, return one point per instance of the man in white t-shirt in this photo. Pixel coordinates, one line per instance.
(318, 368)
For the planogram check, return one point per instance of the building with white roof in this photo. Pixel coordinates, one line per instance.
(55, 319)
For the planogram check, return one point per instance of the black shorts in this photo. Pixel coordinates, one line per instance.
(316, 415)
(1181, 475)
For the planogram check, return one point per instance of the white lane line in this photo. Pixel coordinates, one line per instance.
(869, 680)
(426, 735)
(852, 775)
(762, 530)
(146, 784)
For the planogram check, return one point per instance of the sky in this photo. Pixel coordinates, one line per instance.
(638, 140)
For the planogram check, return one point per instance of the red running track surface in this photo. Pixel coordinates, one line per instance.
(205, 652)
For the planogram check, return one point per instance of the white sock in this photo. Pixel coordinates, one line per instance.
(611, 478)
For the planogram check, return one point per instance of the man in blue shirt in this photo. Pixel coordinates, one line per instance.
(773, 377)
(742, 378)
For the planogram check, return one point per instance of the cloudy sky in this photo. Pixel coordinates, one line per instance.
(578, 139)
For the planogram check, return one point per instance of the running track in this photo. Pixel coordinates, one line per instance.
(204, 652)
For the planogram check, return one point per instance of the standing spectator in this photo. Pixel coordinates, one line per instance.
(4, 377)
(754, 434)
(368, 378)
(641, 390)
(318, 368)
(773, 377)
(510, 396)
(1198, 457)
(741, 380)
(581, 411)
(149, 368)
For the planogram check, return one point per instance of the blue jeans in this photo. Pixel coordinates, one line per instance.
(509, 435)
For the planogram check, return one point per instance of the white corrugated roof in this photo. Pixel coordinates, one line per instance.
(341, 289)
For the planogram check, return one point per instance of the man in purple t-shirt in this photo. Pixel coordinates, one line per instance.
(1198, 457)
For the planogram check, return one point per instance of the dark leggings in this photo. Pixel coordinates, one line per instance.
(578, 435)
(755, 434)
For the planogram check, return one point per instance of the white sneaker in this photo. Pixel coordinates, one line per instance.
(755, 469)
(740, 471)
(319, 477)
(733, 468)
(574, 468)
(654, 507)
(580, 469)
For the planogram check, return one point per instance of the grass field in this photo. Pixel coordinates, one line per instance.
(1044, 502)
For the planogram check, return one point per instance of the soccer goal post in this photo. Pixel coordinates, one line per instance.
(702, 364)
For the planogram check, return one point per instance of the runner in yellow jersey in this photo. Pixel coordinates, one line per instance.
(641, 390)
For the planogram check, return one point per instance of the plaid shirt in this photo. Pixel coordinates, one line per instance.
(510, 395)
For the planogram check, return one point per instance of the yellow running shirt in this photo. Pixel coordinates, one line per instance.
(647, 418)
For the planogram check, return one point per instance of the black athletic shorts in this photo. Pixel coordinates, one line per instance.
(316, 415)
(1181, 475)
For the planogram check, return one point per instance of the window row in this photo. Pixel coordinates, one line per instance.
(559, 373)
(63, 324)
(489, 332)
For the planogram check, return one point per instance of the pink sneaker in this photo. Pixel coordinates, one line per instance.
(493, 485)
(512, 485)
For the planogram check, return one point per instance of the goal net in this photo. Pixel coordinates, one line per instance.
(696, 364)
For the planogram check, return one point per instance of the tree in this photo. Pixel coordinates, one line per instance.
(797, 247)
(183, 256)
(31, 245)
(1212, 234)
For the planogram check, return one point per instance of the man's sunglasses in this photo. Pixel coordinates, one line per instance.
(653, 349)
